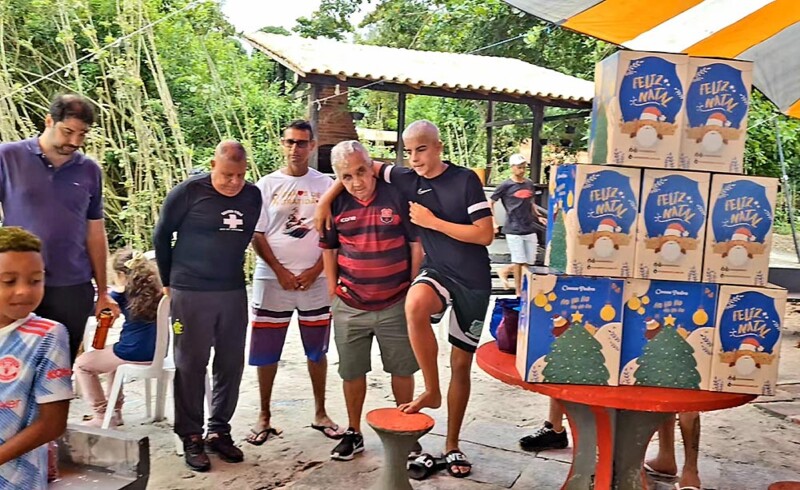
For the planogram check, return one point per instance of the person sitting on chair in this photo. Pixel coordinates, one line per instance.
(138, 291)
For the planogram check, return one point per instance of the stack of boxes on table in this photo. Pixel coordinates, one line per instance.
(663, 244)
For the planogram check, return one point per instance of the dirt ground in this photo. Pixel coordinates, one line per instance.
(742, 448)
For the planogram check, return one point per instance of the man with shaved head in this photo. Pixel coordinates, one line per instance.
(455, 225)
(211, 218)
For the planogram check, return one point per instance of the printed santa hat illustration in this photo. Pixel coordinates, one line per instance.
(652, 328)
(609, 225)
(752, 345)
(742, 235)
(560, 325)
(651, 114)
(676, 229)
(718, 119)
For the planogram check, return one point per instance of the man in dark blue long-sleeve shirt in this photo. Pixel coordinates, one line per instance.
(214, 216)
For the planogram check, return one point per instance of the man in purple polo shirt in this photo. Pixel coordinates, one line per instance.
(55, 192)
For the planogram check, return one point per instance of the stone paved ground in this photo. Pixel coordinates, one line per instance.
(744, 448)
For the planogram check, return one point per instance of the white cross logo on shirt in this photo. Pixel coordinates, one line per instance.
(232, 221)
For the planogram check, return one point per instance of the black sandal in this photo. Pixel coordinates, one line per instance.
(424, 466)
(457, 458)
(256, 438)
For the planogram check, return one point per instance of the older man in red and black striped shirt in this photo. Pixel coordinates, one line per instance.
(371, 254)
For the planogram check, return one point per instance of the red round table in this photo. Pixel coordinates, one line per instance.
(611, 425)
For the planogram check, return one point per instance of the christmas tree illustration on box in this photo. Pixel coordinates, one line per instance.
(576, 357)
(668, 360)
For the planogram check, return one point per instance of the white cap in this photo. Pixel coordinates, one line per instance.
(517, 159)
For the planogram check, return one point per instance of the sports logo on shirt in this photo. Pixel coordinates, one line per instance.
(232, 220)
(387, 215)
(9, 369)
(423, 191)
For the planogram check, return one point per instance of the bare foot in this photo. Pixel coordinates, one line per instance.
(663, 468)
(425, 400)
(689, 479)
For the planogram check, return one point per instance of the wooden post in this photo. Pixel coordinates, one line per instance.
(313, 118)
(401, 126)
(489, 141)
(536, 143)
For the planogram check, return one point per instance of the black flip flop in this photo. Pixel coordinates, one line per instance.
(424, 466)
(323, 428)
(457, 458)
(268, 433)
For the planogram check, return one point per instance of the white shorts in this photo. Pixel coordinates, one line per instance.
(523, 248)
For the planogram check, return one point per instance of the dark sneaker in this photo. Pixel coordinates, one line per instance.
(351, 444)
(545, 438)
(416, 450)
(222, 445)
(194, 453)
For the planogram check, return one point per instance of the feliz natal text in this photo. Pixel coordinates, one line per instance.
(741, 209)
(718, 96)
(677, 206)
(610, 203)
(751, 322)
(652, 89)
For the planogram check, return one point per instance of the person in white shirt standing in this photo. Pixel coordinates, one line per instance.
(287, 278)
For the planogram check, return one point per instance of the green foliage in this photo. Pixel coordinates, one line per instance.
(668, 361)
(576, 357)
(168, 95)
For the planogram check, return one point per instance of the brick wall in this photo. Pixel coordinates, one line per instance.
(335, 121)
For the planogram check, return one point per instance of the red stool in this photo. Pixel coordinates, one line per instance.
(785, 485)
(398, 432)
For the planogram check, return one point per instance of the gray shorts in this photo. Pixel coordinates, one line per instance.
(353, 330)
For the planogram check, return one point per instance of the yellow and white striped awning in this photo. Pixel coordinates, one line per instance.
(764, 31)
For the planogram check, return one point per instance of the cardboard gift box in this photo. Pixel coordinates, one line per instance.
(591, 228)
(637, 111)
(668, 330)
(571, 330)
(739, 229)
(747, 345)
(670, 236)
(717, 106)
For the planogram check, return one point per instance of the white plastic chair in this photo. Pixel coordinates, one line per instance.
(143, 371)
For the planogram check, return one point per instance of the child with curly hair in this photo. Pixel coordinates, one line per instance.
(137, 291)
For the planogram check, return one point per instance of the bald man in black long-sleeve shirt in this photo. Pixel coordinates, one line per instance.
(203, 273)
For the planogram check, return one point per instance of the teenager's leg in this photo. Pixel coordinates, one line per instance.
(556, 415)
(690, 431)
(457, 394)
(518, 279)
(423, 301)
(664, 462)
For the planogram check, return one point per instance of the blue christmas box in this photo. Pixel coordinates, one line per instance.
(637, 111)
(747, 346)
(671, 232)
(739, 229)
(717, 105)
(591, 229)
(668, 330)
(570, 331)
